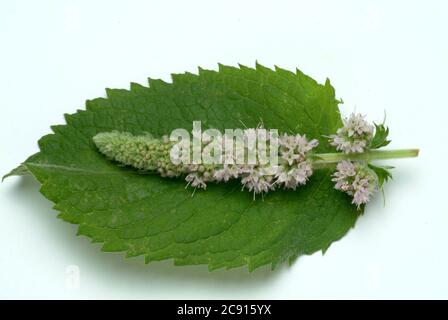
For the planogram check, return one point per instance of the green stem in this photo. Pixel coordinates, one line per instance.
(330, 158)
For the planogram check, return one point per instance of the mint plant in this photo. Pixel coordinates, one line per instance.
(130, 205)
(358, 178)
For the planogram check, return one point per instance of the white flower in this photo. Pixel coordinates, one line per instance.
(303, 145)
(295, 169)
(361, 191)
(302, 172)
(344, 170)
(292, 177)
(357, 125)
(245, 168)
(269, 170)
(289, 156)
(354, 136)
(357, 180)
(257, 182)
(226, 173)
(295, 147)
(199, 175)
(196, 180)
(287, 141)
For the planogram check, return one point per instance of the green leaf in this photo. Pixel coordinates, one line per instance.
(380, 138)
(222, 226)
(382, 173)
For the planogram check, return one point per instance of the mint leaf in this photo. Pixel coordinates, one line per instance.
(382, 173)
(380, 138)
(222, 226)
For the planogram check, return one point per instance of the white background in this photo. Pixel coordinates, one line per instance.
(379, 55)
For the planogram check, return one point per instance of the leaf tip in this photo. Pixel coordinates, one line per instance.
(242, 66)
(21, 170)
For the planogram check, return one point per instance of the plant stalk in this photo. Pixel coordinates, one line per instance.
(331, 158)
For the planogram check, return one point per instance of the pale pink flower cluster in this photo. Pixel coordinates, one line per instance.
(198, 176)
(257, 179)
(294, 167)
(227, 172)
(354, 136)
(355, 179)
